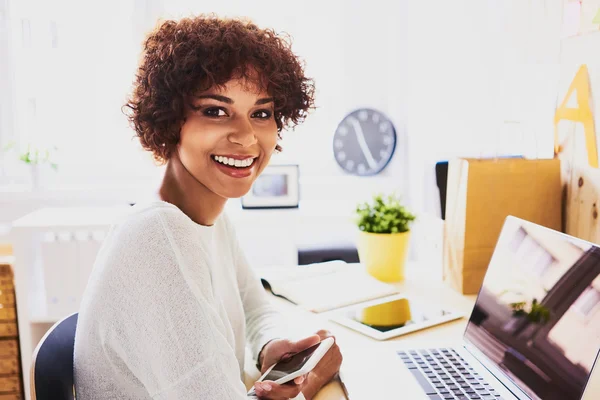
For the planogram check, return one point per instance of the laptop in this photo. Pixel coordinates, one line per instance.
(534, 332)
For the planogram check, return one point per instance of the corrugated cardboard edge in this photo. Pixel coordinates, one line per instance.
(454, 227)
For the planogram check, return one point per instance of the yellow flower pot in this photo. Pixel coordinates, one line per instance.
(384, 254)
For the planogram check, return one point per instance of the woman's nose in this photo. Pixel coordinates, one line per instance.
(243, 134)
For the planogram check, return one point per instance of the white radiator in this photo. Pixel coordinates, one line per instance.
(67, 259)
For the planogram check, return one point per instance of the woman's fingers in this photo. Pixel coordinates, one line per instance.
(324, 334)
(273, 391)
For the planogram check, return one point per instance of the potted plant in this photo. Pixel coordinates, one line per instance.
(384, 236)
(35, 156)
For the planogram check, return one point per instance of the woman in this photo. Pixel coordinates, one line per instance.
(172, 299)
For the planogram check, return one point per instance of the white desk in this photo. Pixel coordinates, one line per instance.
(371, 368)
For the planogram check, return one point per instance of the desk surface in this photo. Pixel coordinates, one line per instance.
(358, 348)
(370, 367)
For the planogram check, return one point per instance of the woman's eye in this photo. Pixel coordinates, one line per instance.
(262, 114)
(214, 112)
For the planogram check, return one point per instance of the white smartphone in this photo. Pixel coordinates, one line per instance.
(297, 365)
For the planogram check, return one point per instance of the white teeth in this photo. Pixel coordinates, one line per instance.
(232, 162)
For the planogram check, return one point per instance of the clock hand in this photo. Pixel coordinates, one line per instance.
(362, 142)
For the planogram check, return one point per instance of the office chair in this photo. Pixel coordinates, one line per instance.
(322, 252)
(441, 178)
(52, 363)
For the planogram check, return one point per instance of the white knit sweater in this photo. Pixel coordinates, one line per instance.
(167, 311)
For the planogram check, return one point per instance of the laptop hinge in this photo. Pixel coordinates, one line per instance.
(498, 373)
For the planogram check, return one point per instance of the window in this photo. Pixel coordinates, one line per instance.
(71, 75)
(517, 239)
(533, 256)
(587, 302)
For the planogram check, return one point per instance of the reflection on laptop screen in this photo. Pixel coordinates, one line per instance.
(537, 316)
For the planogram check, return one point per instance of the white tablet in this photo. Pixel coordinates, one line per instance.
(392, 316)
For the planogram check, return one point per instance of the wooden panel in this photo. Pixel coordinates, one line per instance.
(8, 329)
(582, 186)
(10, 383)
(9, 366)
(581, 191)
(10, 369)
(581, 183)
(9, 348)
(11, 396)
(8, 313)
(6, 284)
(7, 297)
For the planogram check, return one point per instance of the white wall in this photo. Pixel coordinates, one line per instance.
(355, 53)
(357, 56)
(461, 77)
(483, 82)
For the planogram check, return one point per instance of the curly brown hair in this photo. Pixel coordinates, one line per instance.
(183, 57)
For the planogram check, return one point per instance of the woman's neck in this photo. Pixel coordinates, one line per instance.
(181, 189)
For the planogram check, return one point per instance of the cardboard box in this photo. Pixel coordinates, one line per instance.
(481, 194)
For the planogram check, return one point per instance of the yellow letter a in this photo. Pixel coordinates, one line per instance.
(583, 114)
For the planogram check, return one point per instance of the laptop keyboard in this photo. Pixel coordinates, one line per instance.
(445, 375)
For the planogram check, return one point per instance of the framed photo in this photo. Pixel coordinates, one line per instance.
(277, 187)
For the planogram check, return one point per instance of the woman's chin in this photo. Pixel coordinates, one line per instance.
(235, 193)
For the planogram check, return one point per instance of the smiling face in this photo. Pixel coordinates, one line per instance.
(228, 137)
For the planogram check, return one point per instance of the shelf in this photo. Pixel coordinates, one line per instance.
(37, 310)
(43, 320)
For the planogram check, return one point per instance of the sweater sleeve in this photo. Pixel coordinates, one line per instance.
(164, 328)
(263, 322)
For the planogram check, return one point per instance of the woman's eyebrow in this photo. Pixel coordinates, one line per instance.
(263, 101)
(215, 97)
(227, 100)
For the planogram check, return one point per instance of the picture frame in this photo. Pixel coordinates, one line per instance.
(277, 187)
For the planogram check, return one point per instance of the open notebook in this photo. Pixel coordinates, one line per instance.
(324, 286)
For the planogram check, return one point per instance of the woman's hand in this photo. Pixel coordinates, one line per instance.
(309, 384)
(325, 371)
(274, 351)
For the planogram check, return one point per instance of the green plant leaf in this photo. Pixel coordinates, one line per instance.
(11, 145)
(383, 215)
(35, 154)
(25, 158)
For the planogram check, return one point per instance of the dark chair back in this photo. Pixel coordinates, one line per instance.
(323, 252)
(52, 362)
(441, 178)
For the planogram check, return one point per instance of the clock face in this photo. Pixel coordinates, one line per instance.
(364, 142)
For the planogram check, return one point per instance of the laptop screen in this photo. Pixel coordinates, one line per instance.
(537, 316)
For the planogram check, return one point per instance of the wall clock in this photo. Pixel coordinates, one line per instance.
(364, 142)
